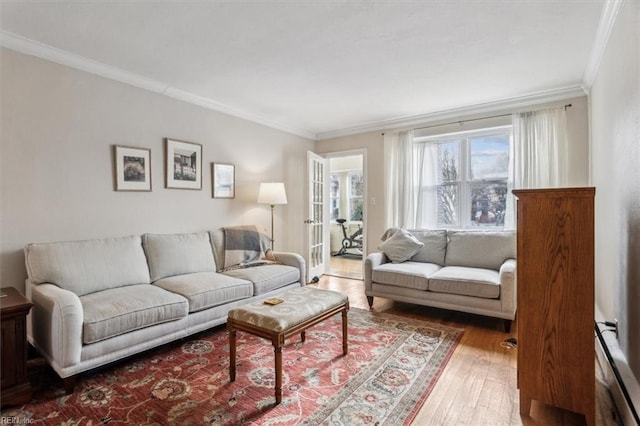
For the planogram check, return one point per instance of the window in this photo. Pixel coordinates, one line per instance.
(334, 198)
(355, 196)
(470, 178)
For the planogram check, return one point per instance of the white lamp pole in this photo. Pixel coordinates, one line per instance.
(272, 193)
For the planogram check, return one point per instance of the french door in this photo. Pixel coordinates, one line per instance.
(316, 215)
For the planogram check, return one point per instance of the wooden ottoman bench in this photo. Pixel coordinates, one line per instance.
(300, 309)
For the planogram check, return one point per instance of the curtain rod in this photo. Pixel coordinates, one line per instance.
(471, 119)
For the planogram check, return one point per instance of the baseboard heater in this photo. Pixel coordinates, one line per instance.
(623, 397)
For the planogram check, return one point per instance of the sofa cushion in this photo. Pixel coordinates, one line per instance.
(120, 310)
(476, 282)
(408, 274)
(84, 267)
(480, 249)
(207, 289)
(176, 254)
(400, 246)
(267, 277)
(435, 246)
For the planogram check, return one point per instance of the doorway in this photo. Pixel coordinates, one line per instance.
(347, 214)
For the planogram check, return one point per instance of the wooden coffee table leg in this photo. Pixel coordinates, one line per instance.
(232, 354)
(345, 336)
(277, 348)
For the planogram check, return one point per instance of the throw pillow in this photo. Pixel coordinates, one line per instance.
(400, 246)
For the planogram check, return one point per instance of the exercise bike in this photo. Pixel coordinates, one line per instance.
(353, 241)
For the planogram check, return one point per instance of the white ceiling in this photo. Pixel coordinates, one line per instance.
(319, 68)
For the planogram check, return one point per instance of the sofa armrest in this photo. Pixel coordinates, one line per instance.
(373, 261)
(508, 286)
(56, 328)
(295, 260)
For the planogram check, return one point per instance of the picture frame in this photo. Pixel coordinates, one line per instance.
(223, 180)
(183, 164)
(132, 168)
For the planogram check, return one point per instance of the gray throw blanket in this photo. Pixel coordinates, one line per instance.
(246, 246)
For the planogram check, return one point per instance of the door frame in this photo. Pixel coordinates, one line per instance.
(365, 203)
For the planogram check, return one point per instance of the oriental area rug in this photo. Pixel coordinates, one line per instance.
(392, 366)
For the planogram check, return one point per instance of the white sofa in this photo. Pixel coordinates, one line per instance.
(98, 301)
(468, 271)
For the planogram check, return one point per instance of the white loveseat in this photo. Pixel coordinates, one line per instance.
(98, 301)
(468, 271)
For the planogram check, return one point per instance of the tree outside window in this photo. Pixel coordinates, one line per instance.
(356, 192)
(334, 197)
(488, 173)
(472, 179)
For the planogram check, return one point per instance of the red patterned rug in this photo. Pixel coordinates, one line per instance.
(392, 365)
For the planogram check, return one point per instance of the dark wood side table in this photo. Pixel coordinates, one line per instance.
(14, 308)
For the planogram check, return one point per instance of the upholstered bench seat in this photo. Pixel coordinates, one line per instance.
(300, 309)
(298, 306)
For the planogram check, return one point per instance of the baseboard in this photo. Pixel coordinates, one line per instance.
(622, 384)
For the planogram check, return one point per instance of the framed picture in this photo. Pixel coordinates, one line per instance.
(223, 180)
(132, 168)
(183, 168)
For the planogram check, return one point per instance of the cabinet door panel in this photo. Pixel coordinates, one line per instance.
(556, 298)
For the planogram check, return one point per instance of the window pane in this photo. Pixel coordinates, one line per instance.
(447, 205)
(448, 162)
(334, 209)
(356, 208)
(488, 203)
(334, 186)
(489, 157)
(355, 182)
(334, 191)
(465, 185)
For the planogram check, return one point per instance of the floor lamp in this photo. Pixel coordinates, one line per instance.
(272, 193)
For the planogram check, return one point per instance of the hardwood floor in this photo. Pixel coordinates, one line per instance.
(478, 385)
(346, 267)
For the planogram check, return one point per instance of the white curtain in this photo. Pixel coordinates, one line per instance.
(399, 184)
(411, 182)
(540, 145)
(540, 153)
(426, 160)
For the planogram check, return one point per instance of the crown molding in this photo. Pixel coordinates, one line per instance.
(608, 17)
(50, 53)
(511, 104)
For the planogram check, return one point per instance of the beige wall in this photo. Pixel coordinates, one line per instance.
(373, 142)
(58, 126)
(615, 139)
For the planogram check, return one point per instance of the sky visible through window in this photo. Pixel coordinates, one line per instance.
(489, 157)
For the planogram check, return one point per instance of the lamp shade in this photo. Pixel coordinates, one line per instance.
(272, 193)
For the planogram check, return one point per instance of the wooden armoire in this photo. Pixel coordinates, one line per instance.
(555, 276)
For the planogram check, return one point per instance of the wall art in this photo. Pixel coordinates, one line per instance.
(223, 180)
(132, 168)
(183, 168)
